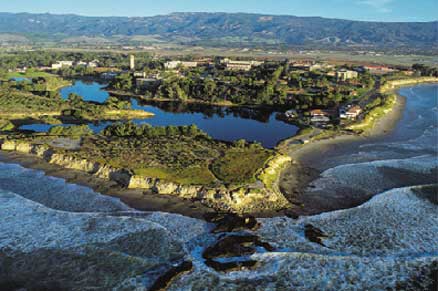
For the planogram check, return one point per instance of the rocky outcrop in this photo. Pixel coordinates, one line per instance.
(73, 163)
(363, 249)
(238, 200)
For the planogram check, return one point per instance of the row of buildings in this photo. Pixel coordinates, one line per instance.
(349, 112)
(229, 64)
(323, 116)
(66, 64)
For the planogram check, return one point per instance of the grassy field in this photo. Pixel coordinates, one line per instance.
(29, 75)
(239, 165)
(180, 158)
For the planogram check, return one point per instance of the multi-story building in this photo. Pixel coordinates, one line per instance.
(60, 64)
(175, 64)
(344, 75)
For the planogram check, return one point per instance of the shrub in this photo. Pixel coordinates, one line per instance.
(74, 130)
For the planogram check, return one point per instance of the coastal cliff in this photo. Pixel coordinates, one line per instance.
(263, 197)
(390, 85)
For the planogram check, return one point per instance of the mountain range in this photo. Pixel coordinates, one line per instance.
(222, 29)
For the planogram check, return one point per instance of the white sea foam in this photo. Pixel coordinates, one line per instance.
(367, 176)
(55, 193)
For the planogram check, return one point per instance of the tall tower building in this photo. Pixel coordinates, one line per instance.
(132, 62)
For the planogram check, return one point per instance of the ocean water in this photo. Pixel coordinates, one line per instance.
(387, 240)
(408, 156)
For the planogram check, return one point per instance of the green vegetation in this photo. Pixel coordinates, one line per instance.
(271, 83)
(16, 103)
(30, 74)
(240, 164)
(74, 130)
(197, 175)
(183, 155)
(375, 113)
(13, 102)
(6, 125)
(130, 129)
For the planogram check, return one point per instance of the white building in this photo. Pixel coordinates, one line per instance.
(291, 113)
(132, 62)
(344, 75)
(240, 65)
(350, 112)
(60, 64)
(175, 64)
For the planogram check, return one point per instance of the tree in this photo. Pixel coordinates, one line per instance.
(123, 82)
(75, 99)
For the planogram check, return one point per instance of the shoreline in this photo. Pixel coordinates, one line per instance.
(142, 200)
(380, 128)
(309, 158)
(137, 199)
(149, 100)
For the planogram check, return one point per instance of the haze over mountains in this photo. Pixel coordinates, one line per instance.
(223, 29)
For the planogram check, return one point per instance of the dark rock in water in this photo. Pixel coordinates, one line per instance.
(168, 277)
(291, 214)
(231, 266)
(429, 192)
(232, 222)
(314, 234)
(234, 246)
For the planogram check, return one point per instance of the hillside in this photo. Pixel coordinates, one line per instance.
(225, 29)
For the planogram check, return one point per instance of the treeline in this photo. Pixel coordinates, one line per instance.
(146, 130)
(273, 83)
(34, 59)
(425, 71)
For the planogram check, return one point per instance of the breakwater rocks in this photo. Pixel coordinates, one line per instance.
(265, 197)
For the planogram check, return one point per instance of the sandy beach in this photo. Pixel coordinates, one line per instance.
(313, 153)
(310, 161)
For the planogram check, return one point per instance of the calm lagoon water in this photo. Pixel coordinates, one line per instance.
(223, 123)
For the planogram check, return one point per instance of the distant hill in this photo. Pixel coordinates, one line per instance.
(228, 29)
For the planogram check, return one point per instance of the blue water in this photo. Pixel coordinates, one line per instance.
(21, 79)
(416, 134)
(221, 123)
(90, 91)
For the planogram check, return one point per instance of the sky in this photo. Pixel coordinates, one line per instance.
(370, 10)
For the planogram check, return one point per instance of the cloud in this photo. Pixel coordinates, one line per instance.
(380, 5)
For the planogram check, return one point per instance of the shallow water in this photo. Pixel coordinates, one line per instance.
(407, 156)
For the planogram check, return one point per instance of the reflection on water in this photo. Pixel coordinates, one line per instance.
(89, 90)
(223, 123)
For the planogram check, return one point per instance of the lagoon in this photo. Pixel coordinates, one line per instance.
(222, 123)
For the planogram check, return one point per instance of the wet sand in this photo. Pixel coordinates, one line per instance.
(309, 163)
(313, 154)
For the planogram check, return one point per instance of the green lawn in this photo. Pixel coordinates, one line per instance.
(30, 75)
